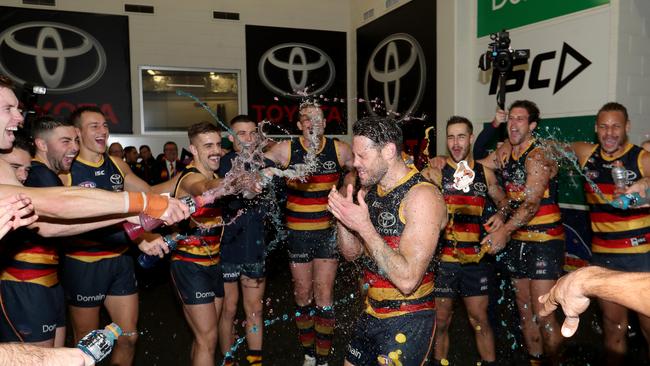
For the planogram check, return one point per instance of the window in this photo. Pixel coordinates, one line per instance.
(163, 110)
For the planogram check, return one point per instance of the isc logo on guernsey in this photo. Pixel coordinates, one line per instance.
(498, 4)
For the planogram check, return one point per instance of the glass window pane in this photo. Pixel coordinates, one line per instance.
(164, 110)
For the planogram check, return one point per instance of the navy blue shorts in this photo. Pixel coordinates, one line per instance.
(408, 337)
(637, 262)
(197, 284)
(87, 284)
(307, 245)
(534, 260)
(30, 312)
(465, 280)
(233, 271)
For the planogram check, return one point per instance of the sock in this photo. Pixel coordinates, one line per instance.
(228, 361)
(305, 323)
(537, 360)
(254, 357)
(324, 322)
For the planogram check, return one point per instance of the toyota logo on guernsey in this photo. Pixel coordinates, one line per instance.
(68, 42)
(296, 58)
(393, 68)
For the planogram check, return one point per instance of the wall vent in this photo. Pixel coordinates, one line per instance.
(225, 15)
(133, 8)
(40, 2)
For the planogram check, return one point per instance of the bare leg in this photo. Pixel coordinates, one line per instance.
(84, 320)
(477, 313)
(444, 313)
(529, 326)
(123, 310)
(549, 327)
(253, 292)
(324, 273)
(614, 330)
(59, 337)
(229, 311)
(203, 320)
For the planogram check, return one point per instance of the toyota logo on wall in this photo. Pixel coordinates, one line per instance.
(53, 47)
(296, 70)
(396, 58)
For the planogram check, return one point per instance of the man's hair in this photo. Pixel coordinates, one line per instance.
(5, 82)
(46, 124)
(200, 128)
(241, 118)
(75, 117)
(170, 143)
(613, 107)
(23, 142)
(379, 130)
(310, 104)
(129, 149)
(143, 146)
(455, 120)
(530, 107)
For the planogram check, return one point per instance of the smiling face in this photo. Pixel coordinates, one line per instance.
(93, 132)
(60, 146)
(520, 129)
(206, 150)
(246, 135)
(10, 117)
(611, 129)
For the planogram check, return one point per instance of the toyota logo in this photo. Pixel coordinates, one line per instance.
(387, 219)
(480, 187)
(394, 69)
(300, 59)
(77, 43)
(116, 179)
(329, 165)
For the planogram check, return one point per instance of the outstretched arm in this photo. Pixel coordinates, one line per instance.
(572, 293)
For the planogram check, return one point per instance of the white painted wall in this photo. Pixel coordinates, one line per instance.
(184, 34)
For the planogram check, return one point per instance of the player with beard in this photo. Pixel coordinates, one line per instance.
(33, 304)
(108, 274)
(463, 270)
(394, 228)
(533, 233)
(196, 271)
(243, 249)
(621, 238)
(312, 247)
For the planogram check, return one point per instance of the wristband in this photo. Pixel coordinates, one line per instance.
(156, 205)
(136, 202)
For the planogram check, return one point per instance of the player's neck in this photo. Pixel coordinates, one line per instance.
(42, 157)
(394, 175)
(89, 155)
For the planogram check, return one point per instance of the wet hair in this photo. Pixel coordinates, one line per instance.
(241, 118)
(75, 117)
(613, 107)
(530, 107)
(45, 124)
(5, 82)
(380, 130)
(455, 120)
(197, 129)
(310, 104)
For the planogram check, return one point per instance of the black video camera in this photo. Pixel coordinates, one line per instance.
(500, 54)
(29, 99)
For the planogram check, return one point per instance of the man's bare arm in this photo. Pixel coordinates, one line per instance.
(280, 153)
(55, 229)
(21, 354)
(425, 215)
(572, 293)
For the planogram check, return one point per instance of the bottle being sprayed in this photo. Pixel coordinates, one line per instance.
(99, 343)
(625, 201)
(147, 261)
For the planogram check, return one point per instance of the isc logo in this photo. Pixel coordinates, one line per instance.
(498, 4)
(516, 78)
